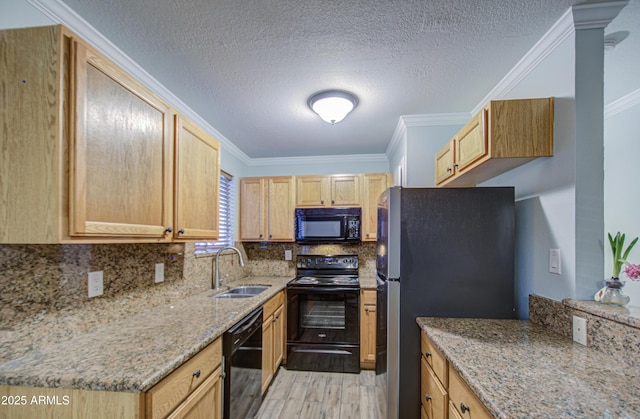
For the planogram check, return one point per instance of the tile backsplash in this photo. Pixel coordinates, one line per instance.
(612, 330)
(44, 293)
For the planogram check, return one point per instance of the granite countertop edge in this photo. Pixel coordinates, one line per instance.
(495, 358)
(115, 357)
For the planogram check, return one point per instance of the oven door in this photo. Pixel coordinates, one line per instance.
(323, 329)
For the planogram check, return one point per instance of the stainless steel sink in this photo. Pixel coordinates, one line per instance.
(245, 291)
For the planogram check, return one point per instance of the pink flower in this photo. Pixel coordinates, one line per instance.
(632, 271)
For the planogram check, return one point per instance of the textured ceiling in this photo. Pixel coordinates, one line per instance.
(249, 66)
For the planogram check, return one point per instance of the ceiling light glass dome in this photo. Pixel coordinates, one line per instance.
(333, 105)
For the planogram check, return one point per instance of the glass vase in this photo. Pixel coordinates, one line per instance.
(613, 293)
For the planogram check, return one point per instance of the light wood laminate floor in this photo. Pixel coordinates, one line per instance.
(320, 395)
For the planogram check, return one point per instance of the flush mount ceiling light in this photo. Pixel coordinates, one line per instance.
(333, 105)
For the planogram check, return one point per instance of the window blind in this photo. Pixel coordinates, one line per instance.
(225, 218)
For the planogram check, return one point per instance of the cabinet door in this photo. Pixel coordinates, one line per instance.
(281, 208)
(121, 162)
(197, 180)
(267, 352)
(374, 185)
(278, 337)
(444, 162)
(472, 141)
(345, 191)
(252, 209)
(311, 191)
(434, 396)
(368, 329)
(205, 402)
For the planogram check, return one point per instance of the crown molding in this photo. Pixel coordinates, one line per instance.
(620, 105)
(559, 32)
(596, 15)
(60, 13)
(300, 160)
(423, 120)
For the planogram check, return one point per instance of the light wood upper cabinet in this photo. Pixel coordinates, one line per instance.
(89, 152)
(373, 184)
(197, 181)
(503, 135)
(311, 191)
(267, 206)
(327, 191)
(121, 152)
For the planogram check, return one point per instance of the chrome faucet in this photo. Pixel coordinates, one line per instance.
(217, 275)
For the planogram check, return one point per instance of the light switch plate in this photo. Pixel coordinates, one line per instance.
(159, 272)
(96, 284)
(555, 261)
(580, 330)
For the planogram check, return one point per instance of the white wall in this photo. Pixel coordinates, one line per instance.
(322, 165)
(622, 202)
(422, 145)
(545, 187)
(20, 14)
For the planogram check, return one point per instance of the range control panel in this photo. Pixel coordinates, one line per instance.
(327, 262)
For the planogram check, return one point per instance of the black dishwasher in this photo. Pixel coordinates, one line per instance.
(242, 351)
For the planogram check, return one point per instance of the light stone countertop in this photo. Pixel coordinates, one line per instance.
(135, 354)
(520, 369)
(367, 282)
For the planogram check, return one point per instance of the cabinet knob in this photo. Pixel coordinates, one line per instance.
(366, 309)
(322, 201)
(181, 231)
(427, 397)
(367, 235)
(260, 235)
(333, 202)
(427, 354)
(168, 230)
(448, 170)
(455, 166)
(464, 408)
(196, 374)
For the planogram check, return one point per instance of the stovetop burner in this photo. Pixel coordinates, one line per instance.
(327, 270)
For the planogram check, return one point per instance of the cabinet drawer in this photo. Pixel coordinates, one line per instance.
(433, 395)
(165, 396)
(435, 359)
(270, 306)
(368, 297)
(462, 398)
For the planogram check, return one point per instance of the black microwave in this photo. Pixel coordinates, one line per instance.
(328, 225)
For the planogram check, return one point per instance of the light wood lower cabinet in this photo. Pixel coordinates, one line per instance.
(177, 391)
(205, 402)
(368, 329)
(193, 391)
(273, 338)
(444, 394)
(434, 380)
(462, 399)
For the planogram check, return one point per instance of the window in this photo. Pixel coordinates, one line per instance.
(225, 218)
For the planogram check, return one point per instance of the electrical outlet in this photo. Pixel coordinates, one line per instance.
(159, 272)
(555, 262)
(95, 284)
(287, 254)
(580, 330)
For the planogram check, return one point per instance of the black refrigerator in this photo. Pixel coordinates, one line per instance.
(441, 252)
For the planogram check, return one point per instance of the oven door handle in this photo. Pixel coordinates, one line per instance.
(323, 289)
